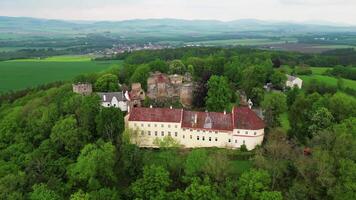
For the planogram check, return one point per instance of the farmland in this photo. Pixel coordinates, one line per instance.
(21, 74)
(242, 42)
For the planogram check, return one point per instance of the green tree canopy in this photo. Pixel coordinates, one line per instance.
(155, 180)
(110, 123)
(273, 105)
(219, 94)
(95, 166)
(107, 83)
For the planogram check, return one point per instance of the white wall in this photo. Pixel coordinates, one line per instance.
(192, 138)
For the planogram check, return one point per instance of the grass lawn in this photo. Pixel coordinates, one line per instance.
(328, 80)
(21, 74)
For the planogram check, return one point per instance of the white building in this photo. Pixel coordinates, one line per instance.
(198, 129)
(114, 99)
(293, 81)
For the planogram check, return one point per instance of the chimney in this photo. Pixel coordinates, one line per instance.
(170, 107)
(104, 97)
(195, 118)
(224, 112)
(151, 106)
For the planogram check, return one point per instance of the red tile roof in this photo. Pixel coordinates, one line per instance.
(155, 114)
(219, 121)
(245, 118)
(241, 118)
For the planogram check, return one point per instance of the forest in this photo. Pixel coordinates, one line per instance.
(55, 144)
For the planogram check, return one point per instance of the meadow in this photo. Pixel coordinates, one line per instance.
(21, 74)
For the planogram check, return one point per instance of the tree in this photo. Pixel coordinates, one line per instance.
(219, 94)
(177, 67)
(273, 105)
(320, 120)
(201, 191)
(110, 123)
(254, 184)
(342, 106)
(80, 195)
(107, 83)
(201, 90)
(253, 76)
(217, 167)
(95, 166)
(87, 111)
(195, 162)
(41, 192)
(278, 79)
(67, 133)
(158, 65)
(140, 75)
(155, 180)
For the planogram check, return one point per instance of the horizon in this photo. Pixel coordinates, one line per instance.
(296, 11)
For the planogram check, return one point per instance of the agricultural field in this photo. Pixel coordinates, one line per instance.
(243, 42)
(21, 74)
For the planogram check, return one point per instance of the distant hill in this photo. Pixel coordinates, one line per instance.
(156, 27)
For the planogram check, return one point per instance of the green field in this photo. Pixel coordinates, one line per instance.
(328, 80)
(243, 42)
(21, 74)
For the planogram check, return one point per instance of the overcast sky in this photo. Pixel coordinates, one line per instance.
(340, 11)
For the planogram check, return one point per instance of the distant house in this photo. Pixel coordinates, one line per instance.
(113, 99)
(293, 81)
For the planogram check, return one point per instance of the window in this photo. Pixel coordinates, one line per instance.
(235, 141)
(198, 131)
(216, 139)
(135, 124)
(169, 126)
(183, 136)
(149, 125)
(108, 104)
(243, 141)
(229, 140)
(238, 131)
(216, 132)
(155, 133)
(162, 125)
(210, 139)
(141, 125)
(191, 137)
(176, 134)
(191, 130)
(142, 132)
(203, 131)
(197, 137)
(255, 133)
(149, 132)
(203, 138)
(246, 132)
(162, 133)
(155, 125)
(183, 129)
(175, 126)
(169, 133)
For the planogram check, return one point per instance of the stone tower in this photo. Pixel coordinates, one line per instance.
(82, 88)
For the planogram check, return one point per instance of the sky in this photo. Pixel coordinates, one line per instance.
(337, 11)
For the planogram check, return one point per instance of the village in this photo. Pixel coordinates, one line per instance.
(243, 125)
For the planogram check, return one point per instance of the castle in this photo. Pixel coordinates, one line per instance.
(161, 87)
(193, 129)
(82, 88)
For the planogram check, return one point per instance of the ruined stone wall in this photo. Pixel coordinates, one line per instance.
(82, 88)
